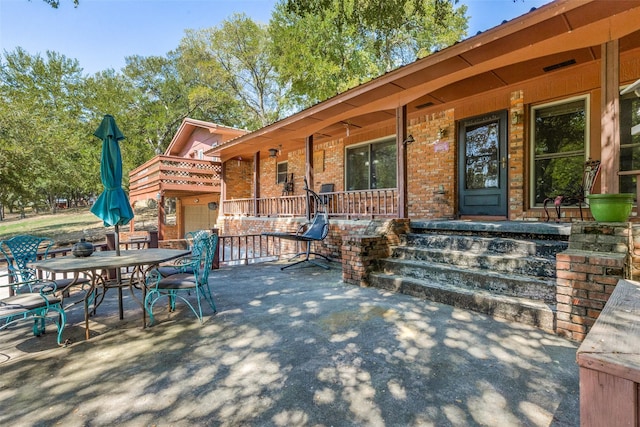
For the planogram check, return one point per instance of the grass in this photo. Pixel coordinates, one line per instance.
(67, 227)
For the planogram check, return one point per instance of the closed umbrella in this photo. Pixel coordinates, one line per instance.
(113, 206)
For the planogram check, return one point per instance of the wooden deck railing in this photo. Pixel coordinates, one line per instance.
(348, 204)
(170, 173)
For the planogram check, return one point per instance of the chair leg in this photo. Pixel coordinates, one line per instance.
(307, 259)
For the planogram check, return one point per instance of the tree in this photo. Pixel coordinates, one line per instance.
(159, 100)
(324, 47)
(44, 99)
(235, 82)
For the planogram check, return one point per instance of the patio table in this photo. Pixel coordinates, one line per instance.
(141, 261)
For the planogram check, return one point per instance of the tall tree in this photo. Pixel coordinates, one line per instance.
(44, 98)
(324, 47)
(235, 81)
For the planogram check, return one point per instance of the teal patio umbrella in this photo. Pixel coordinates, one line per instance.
(113, 206)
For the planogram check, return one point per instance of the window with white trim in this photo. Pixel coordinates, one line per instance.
(629, 144)
(281, 172)
(560, 137)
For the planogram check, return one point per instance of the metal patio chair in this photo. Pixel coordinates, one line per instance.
(174, 285)
(183, 265)
(19, 251)
(578, 193)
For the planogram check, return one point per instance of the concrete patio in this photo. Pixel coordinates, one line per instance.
(292, 348)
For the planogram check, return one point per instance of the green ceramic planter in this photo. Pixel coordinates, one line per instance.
(611, 207)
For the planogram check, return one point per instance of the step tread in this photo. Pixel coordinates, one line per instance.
(467, 291)
(490, 255)
(480, 271)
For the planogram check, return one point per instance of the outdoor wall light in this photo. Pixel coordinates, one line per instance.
(442, 133)
(273, 153)
(196, 200)
(409, 140)
(212, 206)
(516, 116)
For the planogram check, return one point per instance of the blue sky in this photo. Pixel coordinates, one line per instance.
(101, 33)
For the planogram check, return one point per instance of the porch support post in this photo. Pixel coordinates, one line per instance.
(308, 173)
(256, 183)
(610, 118)
(401, 154)
(223, 188)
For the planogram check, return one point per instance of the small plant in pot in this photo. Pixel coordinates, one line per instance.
(611, 207)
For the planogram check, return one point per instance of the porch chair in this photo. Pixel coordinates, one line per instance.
(287, 185)
(19, 251)
(577, 193)
(198, 282)
(314, 231)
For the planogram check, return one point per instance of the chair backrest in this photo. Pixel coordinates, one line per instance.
(319, 228)
(205, 249)
(192, 237)
(591, 169)
(21, 250)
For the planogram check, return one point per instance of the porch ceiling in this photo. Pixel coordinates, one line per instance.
(516, 51)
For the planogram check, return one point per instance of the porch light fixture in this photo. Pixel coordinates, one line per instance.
(273, 153)
(409, 140)
(442, 133)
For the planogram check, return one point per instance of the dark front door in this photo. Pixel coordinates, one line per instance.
(483, 165)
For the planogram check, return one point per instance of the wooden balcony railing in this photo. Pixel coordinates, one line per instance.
(170, 173)
(348, 204)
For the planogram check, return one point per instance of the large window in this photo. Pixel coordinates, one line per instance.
(629, 144)
(559, 139)
(371, 166)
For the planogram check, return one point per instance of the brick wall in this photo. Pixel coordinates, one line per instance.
(240, 186)
(587, 274)
(431, 183)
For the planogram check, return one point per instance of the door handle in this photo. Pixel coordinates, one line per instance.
(503, 162)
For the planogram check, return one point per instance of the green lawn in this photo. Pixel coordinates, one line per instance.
(63, 227)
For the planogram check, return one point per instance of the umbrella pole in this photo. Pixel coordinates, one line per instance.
(118, 276)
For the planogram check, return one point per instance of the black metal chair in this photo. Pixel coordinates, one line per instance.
(314, 231)
(577, 194)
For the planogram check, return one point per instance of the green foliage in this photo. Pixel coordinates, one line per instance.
(234, 81)
(324, 47)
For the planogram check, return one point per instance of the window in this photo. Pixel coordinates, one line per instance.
(371, 166)
(629, 144)
(559, 140)
(281, 172)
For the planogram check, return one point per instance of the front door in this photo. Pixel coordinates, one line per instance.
(482, 165)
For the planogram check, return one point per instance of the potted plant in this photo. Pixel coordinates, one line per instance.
(611, 207)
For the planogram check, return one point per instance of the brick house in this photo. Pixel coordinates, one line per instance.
(484, 129)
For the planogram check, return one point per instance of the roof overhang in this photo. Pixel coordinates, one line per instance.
(513, 52)
(187, 127)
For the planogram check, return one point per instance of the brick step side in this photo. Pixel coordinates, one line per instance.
(505, 263)
(473, 279)
(522, 310)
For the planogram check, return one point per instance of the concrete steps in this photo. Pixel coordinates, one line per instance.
(502, 269)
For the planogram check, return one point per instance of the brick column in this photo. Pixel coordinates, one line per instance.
(587, 274)
(585, 281)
